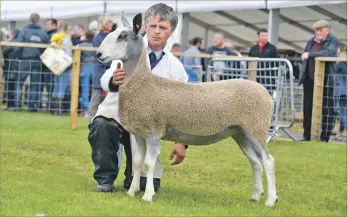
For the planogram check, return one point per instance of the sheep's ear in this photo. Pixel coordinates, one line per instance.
(137, 21)
(124, 20)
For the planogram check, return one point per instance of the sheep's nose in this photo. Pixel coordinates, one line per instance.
(98, 55)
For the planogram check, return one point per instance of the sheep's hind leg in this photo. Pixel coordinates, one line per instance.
(152, 152)
(267, 161)
(247, 148)
(139, 150)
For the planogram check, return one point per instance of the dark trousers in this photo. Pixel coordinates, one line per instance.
(33, 69)
(328, 117)
(105, 137)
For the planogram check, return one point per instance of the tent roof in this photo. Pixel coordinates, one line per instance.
(238, 19)
(295, 25)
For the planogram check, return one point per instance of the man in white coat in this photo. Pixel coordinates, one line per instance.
(106, 134)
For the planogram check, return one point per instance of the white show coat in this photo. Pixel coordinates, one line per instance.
(168, 67)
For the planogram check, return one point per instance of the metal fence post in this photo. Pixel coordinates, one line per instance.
(317, 99)
(75, 88)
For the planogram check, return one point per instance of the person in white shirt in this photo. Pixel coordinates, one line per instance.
(106, 134)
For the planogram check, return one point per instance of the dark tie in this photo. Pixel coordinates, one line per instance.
(152, 57)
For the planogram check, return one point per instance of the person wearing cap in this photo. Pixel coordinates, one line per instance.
(323, 44)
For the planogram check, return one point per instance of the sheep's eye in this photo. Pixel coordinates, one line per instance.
(122, 36)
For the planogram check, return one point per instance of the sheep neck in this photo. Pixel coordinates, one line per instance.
(135, 70)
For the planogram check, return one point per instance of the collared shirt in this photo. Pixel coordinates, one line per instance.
(319, 41)
(158, 53)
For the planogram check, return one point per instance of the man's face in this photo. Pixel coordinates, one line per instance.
(176, 49)
(321, 33)
(49, 26)
(218, 40)
(158, 32)
(262, 38)
(78, 31)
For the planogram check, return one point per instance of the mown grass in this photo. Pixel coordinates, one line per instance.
(47, 168)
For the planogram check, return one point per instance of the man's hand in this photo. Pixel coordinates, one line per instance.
(179, 151)
(118, 76)
(304, 56)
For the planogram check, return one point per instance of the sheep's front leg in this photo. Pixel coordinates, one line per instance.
(138, 153)
(152, 152)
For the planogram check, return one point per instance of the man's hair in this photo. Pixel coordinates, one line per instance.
(219, 34)
(53, 21)
(34, 18)
(261, 30)
(165, 12)
(175, 45)
(196, 40)
(89, 35)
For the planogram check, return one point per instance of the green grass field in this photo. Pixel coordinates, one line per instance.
(47, 168)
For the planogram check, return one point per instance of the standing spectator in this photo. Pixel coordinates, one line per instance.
(30, 60)
(193, 49)
(62, 82)
(79, 31)
(47, 75)
(2, 62)
(93, 26)
(87, 68)
(264, 49)
(11, 67)
(340, 93)
(51, 27)
(192, 64)
(219, 49)
(323, 44)
(97, 91)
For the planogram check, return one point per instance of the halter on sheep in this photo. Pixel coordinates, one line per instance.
(153, 108)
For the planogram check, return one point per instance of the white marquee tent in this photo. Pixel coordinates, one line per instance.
(236, 19)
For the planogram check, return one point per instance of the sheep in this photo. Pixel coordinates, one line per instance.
(153, 108)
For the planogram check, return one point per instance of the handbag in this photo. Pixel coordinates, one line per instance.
(56, 60)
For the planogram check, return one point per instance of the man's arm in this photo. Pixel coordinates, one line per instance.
(330, 51)
(112, 78)
(20, 38)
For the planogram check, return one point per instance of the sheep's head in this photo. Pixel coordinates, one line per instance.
(124, 43)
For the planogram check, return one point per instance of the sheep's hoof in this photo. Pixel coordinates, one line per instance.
(256, 196)
(132, 192)
(147, 198)
(271, 201)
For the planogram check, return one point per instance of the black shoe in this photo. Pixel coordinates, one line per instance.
(105, 188)
(156, 183)
(325, 139)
